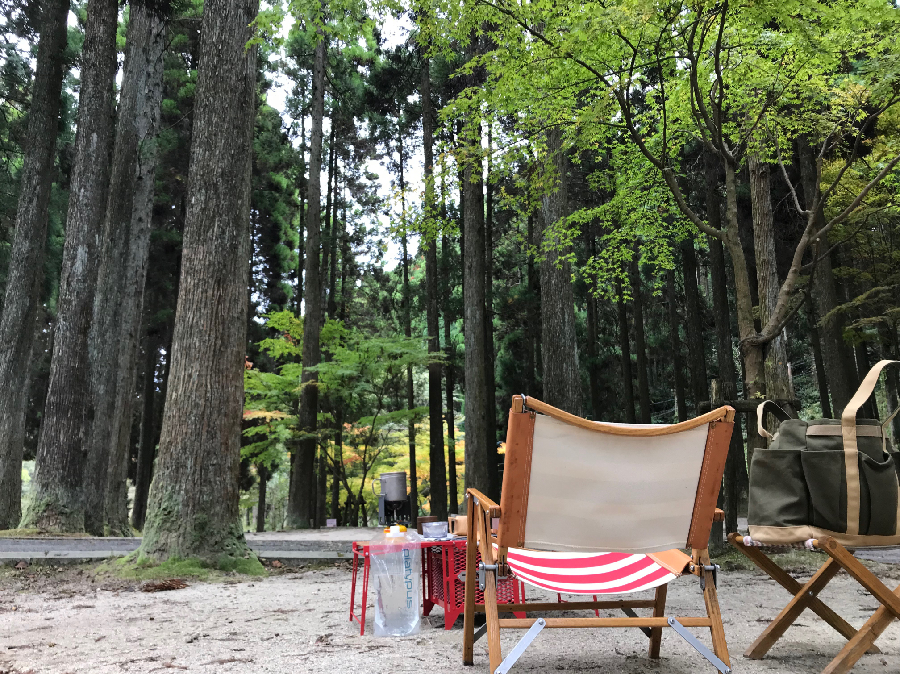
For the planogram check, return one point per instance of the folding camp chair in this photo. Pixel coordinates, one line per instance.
(859, 641)
(592, 508)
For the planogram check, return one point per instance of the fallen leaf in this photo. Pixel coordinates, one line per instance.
(276, 564)
(167, 585)
(21, 565)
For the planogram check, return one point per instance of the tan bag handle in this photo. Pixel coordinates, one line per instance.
(773, 408)
(851, 447)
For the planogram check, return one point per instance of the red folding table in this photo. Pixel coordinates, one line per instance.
(443, 563)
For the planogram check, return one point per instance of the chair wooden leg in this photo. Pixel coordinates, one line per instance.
(792, 610)
(492, 617)
(469, 610)
(862, 574)
(659, 609)
(793, 587)
(863, 640)
(711, 598)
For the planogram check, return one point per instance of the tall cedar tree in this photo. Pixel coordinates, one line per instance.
(57, 500)
(123, 269)
(437, 467)
(477, 406)
(24, 276)
(562, 381)
(193, 509)
(301, 505)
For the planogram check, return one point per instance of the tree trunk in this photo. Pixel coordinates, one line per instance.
(262, 474)
(675, 346)
(816, 345)
(328, 225)
(593, 370)
(437, 466)
(478, 472)
(736, 482)
(693, 327)
(625, 351)
(122, 273)
(301, 510)
(453, 490)
(337, 465)
(302, 213)
(335, 236)
(490, 376)
(777, 378)
(532, 314)
(870, 407)
(193, 509)
(57, 498)
(26, 262)
(562, 379)
(321, 488)
(752, 355)
(892, 388)
(593, 334)
(147, 449)
(836, 354)
(640, 344)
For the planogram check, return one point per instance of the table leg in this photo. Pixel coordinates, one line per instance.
(427, 602)
(365, 593)
(353, 582)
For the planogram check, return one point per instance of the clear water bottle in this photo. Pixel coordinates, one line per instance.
(396, 572)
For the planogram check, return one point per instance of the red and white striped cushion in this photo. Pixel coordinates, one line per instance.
(588, 573)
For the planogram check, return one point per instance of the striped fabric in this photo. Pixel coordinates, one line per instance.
(588, 573)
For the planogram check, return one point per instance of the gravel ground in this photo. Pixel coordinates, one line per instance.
(70, 620)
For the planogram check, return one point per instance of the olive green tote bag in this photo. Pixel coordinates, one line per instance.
(826, 477)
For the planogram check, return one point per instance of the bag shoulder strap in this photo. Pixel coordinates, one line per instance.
(773, 408)
(851, 447)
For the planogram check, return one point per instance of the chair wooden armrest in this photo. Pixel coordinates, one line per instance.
(489, 505)
(719, 516)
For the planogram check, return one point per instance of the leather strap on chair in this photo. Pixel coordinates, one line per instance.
(516, 476)
(851, 447)
(714, 456)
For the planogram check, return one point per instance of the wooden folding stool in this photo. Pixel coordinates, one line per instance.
(805, 597)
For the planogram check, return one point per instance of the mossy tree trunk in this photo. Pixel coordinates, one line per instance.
(26, 263)
(57, 497)
(119, 300)
(193, 510)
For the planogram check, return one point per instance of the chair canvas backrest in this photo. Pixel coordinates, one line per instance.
(574, 485)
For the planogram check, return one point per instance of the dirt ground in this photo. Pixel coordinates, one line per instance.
(296, 620)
